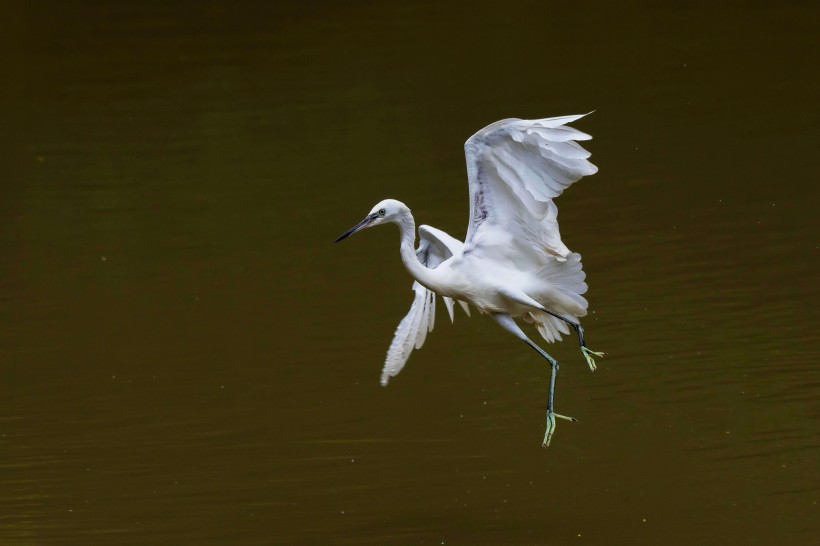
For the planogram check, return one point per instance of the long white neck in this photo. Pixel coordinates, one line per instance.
(426, 276)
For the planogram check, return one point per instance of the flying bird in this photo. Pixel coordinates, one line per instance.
(512, 263)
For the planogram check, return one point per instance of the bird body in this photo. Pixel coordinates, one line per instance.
(486, 285)
(513, 263)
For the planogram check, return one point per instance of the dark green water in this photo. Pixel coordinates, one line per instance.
(186, 358)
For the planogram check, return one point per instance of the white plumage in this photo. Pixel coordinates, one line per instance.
(435, 246)
(512, 262)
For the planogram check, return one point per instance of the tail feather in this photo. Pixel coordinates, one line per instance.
(566, 286)
(568, 277)
(548, 326)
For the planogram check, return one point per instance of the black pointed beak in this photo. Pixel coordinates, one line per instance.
(361, 225)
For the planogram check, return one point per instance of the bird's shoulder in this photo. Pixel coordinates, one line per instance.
(486, 136)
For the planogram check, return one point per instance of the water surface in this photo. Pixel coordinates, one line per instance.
(185, 357)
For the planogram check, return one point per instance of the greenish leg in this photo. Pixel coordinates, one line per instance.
(551, 415)
(507, 322)
(586, 351)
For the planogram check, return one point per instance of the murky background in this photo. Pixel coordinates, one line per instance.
(186, 358)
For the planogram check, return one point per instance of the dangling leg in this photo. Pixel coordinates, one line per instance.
(507, 322)
(523, 298)
(586, 351)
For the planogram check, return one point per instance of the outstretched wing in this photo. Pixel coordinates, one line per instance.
(435, 246)
(515, 169)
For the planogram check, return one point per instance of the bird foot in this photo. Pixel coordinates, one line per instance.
(591, 361)
(551, 426)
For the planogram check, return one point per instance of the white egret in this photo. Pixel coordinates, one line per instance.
(512, 263)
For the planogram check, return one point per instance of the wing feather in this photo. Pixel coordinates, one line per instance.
(515, 169)
(405, 337)
(435, 246)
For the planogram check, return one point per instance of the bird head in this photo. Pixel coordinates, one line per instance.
(385, 211)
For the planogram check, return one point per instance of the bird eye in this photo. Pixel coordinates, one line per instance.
(381, 212)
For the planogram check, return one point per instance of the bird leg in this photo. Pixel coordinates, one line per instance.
(507, 322)
(551, 415)
(586, 351)
(520, 297)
